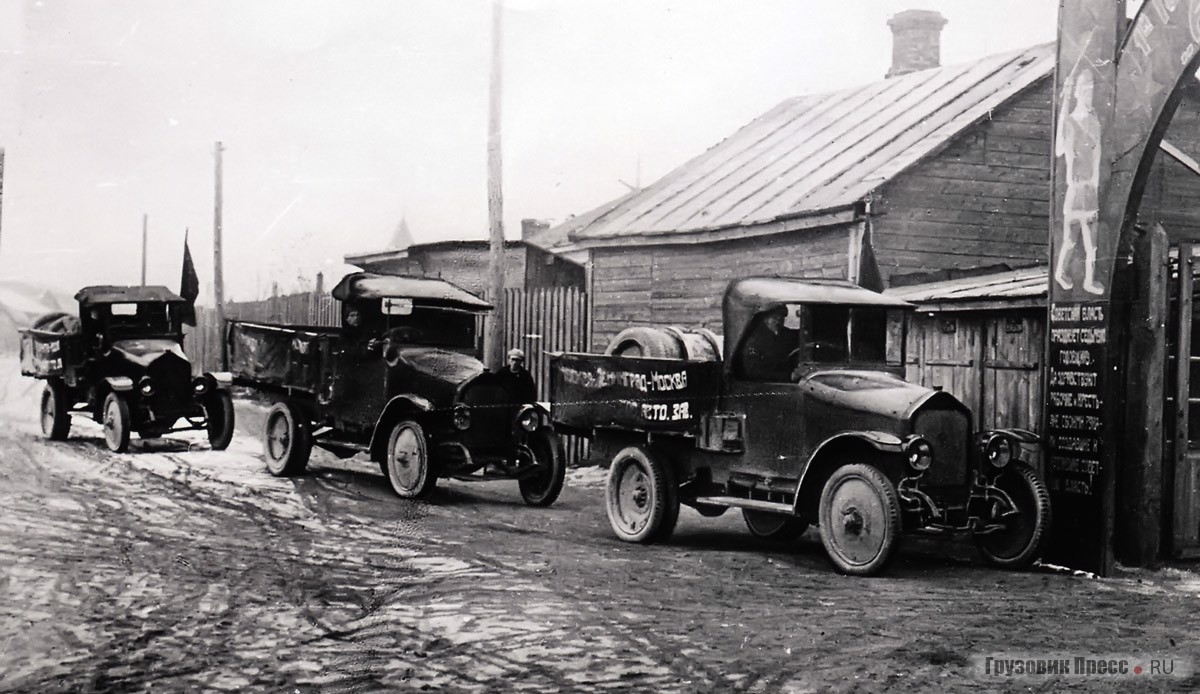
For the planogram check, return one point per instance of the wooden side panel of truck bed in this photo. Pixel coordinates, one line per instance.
(283, 357)
(594, 391)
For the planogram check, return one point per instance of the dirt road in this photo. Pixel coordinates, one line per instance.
(176, 568)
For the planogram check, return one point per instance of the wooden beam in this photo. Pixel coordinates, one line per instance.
(1139, 498)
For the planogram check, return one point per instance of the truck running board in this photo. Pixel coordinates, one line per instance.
(744, 503)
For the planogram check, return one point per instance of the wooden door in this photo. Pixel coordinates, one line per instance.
(1181, 472)
(945, 351)
(1012, 370)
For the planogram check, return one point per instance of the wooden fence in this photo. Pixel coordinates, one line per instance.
(538, 321)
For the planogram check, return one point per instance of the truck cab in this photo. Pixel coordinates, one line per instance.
(805, 420)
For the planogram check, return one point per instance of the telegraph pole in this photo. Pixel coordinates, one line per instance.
(494, 337)
(1, 179)
(218, 273)
(145, 235)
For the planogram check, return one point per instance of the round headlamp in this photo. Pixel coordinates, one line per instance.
(462, 417)
(528, 419)
(919, 453)
(998, 450)
(146, 386)
(201, 385)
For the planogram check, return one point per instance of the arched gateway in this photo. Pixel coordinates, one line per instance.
(1117, 87)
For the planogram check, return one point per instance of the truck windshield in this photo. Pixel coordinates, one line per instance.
(138, 319)
(432, 327)
(845, 334)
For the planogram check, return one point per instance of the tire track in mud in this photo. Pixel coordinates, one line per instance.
(382, 606)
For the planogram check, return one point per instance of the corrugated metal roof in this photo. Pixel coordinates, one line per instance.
(1026, 283)
(819, 153)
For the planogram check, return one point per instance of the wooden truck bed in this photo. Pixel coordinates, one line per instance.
(281, 357)
(595, 391)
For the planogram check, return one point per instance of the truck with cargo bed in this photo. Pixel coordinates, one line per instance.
(121, 362)
(798, 417)
(398, 380)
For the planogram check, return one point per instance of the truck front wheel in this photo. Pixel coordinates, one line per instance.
(56, 421)
(287, 441)
(407, 461)
(543, 488)
(116, 422)
(1021, 540)
(218, 410)
(640, 496)
(859, 519)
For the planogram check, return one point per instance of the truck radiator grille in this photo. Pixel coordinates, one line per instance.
(949, 432)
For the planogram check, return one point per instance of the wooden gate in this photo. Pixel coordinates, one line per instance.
(945, 351)
(1181, 421)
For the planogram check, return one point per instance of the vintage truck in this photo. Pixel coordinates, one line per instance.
(806, 419)
(121, 362)
(398, 381)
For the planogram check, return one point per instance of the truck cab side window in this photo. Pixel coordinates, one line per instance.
(829, 339)
(769, 352)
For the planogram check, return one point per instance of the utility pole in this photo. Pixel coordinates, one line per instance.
(218, 274)
(145, 236)
(494, 337)
(1, 180)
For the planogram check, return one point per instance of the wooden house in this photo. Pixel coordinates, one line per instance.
(540, 259)
(929, 170)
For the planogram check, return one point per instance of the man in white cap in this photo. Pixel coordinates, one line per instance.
(517, 379)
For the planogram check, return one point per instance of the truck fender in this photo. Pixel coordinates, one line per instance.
(397, 407)
(824, 459)
(219, 380)
(121, 384)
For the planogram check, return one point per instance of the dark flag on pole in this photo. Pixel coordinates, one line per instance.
(189, 285)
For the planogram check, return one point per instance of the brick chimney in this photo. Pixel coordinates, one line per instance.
(533, 227)
(916, 41)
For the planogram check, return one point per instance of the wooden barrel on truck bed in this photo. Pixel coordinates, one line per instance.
(696, 344)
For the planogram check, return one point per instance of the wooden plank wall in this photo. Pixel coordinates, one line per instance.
(991, 361)
(683, 284)
(983, 200)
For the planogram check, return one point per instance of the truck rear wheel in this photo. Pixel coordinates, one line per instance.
(218, 410)
(407, 464)
(859, 519)
(773, 526)
(1020, 543)
(640, 497)
(56, 420)
(116, 422)
(287, 440)
(543, 488)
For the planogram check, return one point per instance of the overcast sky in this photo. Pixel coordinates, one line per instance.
(339, 117)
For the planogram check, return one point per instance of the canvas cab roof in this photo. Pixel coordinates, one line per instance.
(424, 290)
(109, 294)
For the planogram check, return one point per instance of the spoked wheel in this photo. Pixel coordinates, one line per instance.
(56, 420)
(287, 440)
(859, 519)
(407, 463)
(641, 499)
(218, 409)
(117, 423)
(1021, 540)
(543, 488)
(773, 526)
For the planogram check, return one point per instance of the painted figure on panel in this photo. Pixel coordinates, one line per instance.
(1078, 143)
